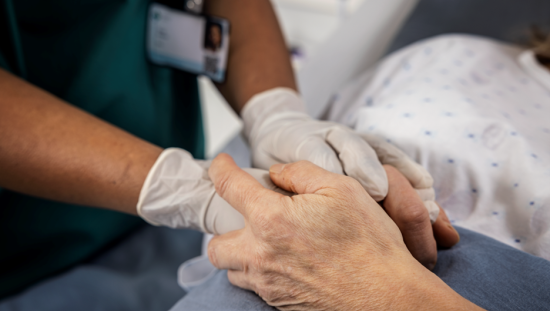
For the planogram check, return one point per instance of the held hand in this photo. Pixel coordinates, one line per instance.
(303, 251)
(279, 131)
(330, 247)
(402, 204)
(406, 209)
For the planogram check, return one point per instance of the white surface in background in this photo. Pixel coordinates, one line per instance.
(355, 46)
(305, 24)
(221, 123)
(331, 7)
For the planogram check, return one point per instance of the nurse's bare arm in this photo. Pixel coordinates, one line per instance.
(53, 150)
(258, 57)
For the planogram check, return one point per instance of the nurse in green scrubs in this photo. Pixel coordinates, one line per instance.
(84, 117)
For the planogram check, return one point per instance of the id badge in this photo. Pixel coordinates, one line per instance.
(190, 42)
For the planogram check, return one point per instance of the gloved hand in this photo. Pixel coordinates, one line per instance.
(178, 193)
(417, 176)
(279, 131)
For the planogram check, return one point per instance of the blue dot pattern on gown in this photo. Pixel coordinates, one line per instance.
(471, 112)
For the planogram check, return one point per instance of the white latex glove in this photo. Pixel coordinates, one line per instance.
(419, 177)
(280, 131)
(178, 193)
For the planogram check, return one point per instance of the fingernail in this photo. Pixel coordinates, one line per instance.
(276, 168)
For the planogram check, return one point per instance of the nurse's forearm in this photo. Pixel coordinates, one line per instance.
(258, 57)
(53, 150)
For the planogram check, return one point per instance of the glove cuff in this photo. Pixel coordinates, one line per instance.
(266, 104)
(176, 192)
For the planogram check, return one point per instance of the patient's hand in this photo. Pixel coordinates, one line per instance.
(407, 210)
(330, 247)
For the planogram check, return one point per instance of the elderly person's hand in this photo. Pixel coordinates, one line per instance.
(330, 247)
(403, 205)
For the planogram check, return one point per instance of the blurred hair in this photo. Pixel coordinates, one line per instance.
(540, 43)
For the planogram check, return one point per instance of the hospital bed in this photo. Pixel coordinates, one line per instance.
(381, 27)
(131, 276)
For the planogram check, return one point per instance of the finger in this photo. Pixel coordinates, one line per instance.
(226, 251)
(388, 154)
(318, 152)
(407, 210)
(240, 279)
(237, 187)
(360, 162)
(444, 232)
(304, 177)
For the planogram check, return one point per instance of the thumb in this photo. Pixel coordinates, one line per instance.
(304, 177)
(238, 188)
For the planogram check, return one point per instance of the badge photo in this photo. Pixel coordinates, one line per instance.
(194, 43)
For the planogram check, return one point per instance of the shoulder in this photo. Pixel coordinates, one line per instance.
(451, 46)
(463, 42)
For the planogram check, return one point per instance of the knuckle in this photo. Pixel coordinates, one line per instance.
(262, 262)
(263, 291)
(267, 222)
(414, 215)
(349, 185)
(267, 289)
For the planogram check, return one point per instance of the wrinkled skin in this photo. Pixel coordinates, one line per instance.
(331, 247)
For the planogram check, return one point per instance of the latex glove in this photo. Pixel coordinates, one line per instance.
(279, 131)
(417, 176)
(178, 193)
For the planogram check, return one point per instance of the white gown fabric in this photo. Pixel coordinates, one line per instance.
(476, 114)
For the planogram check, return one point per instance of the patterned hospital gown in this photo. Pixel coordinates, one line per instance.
(476, 113)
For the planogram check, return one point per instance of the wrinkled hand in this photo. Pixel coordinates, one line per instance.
(402, 204)
(278, 132)
(331, 247)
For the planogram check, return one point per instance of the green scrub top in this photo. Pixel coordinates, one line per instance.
(92, 54)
